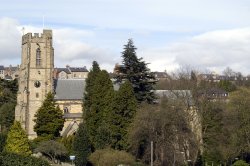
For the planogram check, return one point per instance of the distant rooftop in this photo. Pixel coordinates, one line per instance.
(186, 95)
(69, 69)
(66, 70)
(78, 69)
(7, 77)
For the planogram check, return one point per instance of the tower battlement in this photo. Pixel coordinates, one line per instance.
(37, 37)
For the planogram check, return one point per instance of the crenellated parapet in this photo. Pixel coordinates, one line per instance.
(37, 37)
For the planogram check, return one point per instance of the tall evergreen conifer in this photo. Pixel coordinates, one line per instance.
(81, 145)
(17, 141)
(89, 90)
(49, 118)
(137, 73)
(7, 116)
(124, 112)
(98, 104)
(97, 119)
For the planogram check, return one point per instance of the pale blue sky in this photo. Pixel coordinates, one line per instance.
(204, 34)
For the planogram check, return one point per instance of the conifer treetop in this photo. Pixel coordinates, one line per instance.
(17, 141)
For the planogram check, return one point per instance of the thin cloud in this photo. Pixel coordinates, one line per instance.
(212, 50)
(145, 15)
(10, 39)
(71, 46)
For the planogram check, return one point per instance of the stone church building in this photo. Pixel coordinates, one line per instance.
(37, 77)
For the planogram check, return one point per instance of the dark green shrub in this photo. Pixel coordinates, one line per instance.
(68, 143)
(240, 163)
(55, 151)
(8, 159)
(81, 146)
(110, 157)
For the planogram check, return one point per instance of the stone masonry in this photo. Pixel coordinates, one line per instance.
(35, 79)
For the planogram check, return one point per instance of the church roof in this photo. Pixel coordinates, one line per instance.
(69, 89)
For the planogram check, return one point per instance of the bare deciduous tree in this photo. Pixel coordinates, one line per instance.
(168, 127)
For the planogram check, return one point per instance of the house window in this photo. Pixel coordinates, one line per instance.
(38, 57)
(37, 95)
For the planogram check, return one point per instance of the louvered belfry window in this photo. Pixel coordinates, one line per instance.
(38, 57)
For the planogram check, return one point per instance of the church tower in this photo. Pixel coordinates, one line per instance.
(35, 78)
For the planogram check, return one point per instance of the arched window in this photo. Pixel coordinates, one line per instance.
(65, 110)
(38, 57)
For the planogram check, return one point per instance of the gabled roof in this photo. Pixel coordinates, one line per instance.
(66, 70)
(69, 89)
(11, 68)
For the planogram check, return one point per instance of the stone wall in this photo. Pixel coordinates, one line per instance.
(30, 96)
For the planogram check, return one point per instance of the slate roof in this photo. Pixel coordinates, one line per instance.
(174, 94)
(72, 115)
(11, 68)
(78, 69)
(66, 70)
(7, 77)
(1, 67)
(213, 91)
(73, 89)
(69, 89)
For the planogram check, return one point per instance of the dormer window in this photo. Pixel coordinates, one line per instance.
(38, 57)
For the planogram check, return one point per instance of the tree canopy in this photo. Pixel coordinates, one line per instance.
(7, 112)
(89, 90)
(135, 70)
(110, 157)
(17, 141)
(8, 92)
(81, 146)
(99, 98)
(53, 149)
(125, 107)
(239, 106)
(11, 159)
(49, 118)
(167, 126)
